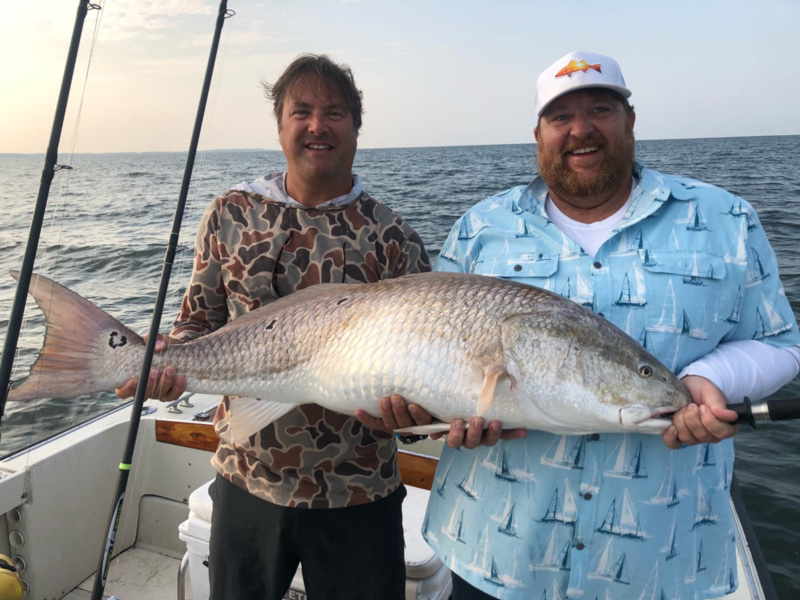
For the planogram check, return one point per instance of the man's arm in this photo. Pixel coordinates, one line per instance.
(405, 253)
(730, 372)
(740, 366)
(748, 368)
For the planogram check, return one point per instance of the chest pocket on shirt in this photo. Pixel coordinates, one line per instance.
(524, 266)
(693, 266)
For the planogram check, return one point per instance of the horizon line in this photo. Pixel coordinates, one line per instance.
(532, 143)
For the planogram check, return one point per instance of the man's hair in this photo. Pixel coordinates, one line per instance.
(622, 100)
(326, 74)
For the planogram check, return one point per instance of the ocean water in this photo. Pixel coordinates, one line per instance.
(109, 218)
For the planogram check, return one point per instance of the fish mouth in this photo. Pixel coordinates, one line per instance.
(649, 419)
(664, 414)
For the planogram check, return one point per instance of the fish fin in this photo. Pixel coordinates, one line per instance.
(435, 427)
(251, 415)
(81, 346)
(492, 375)
(305, 295)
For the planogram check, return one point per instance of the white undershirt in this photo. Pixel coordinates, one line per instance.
(745, 368)
(590, 236)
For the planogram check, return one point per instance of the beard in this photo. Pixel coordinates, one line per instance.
(566, 183)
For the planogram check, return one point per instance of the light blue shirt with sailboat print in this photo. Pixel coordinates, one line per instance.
(611, 516)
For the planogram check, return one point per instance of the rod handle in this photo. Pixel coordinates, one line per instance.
(768, 410)
(744, 412)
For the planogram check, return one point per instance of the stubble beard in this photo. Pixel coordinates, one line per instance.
(566, 183)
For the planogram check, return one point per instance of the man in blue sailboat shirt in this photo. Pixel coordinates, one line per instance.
(680, 265)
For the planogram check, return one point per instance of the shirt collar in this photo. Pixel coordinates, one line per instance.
(273, 186)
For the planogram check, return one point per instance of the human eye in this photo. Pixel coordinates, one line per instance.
(298, 112)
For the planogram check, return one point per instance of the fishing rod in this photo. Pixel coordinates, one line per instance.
(766, 410)
(136, 411)
(48, 172)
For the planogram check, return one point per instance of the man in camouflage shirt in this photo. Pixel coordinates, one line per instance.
(260, 241)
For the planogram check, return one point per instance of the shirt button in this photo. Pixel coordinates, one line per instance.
(595, 437)
(518, 267)
(580, 546)
(596, 265)
(587, 496)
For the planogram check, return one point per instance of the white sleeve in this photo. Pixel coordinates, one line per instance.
(747, 368)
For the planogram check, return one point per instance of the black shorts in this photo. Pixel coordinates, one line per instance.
(347, 553)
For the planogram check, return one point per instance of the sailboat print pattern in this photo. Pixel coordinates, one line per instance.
(506, 518)
(627, 464)
(611, 567)
(611, 515)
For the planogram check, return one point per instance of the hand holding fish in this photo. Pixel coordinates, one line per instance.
(475, 435)
(397, 414)
(166, 385)
(706, 420)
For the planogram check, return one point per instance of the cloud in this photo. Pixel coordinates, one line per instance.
(135, 18)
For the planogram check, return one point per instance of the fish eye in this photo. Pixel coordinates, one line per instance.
(645, 370)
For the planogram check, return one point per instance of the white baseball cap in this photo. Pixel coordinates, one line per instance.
(575, 71)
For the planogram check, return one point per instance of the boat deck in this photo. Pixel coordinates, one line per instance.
(140, 574)
(150, 569)
(137, 574)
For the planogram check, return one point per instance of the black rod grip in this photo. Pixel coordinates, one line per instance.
(745, 412)
(783, 409)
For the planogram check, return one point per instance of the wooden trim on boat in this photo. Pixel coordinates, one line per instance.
(415, 469)
(200, 436)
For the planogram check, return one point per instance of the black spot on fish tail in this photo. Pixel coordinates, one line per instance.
(117, 344)
(342, 301)
(271, 324)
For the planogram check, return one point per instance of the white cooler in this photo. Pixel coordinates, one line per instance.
(426, 577)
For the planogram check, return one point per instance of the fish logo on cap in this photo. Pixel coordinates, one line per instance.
(574, 66)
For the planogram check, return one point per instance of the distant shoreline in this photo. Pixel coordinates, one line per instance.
(243, 150)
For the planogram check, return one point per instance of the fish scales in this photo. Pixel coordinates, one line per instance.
(459, 345)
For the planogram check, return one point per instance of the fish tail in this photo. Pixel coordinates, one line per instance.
(83, 346)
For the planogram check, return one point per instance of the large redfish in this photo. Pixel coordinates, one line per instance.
(458, 345)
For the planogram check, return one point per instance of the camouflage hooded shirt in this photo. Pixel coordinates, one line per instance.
(256, 244)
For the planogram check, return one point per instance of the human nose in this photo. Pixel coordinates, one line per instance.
(317, 123)
(582, 126)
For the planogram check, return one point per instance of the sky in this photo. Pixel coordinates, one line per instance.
(433, 72)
